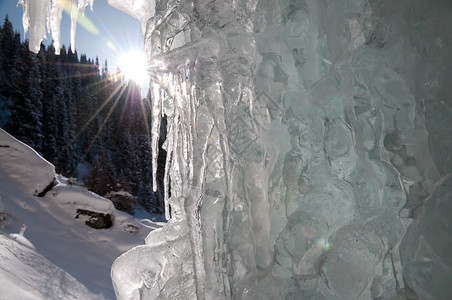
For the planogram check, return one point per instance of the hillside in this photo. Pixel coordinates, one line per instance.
(49, 247)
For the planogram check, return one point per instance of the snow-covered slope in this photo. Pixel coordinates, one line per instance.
(25, 274)
(45, 251)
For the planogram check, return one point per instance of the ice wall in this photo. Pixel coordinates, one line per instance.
(308, 150)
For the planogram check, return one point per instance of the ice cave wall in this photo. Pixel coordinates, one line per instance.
(308, 150)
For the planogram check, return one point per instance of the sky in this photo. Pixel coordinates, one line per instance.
(118, 32)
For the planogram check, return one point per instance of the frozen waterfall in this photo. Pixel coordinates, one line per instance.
(308, 145)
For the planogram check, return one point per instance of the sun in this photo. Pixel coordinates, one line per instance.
(133, 66)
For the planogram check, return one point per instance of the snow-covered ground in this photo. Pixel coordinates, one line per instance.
(45, 251)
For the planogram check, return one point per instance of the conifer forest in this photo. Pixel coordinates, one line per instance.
(83, 118)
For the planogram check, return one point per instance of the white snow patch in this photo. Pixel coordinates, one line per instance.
(81, 198)
(25, 274)
(120, 193)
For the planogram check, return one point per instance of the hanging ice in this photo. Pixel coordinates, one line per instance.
(304, 139)
(41, 14)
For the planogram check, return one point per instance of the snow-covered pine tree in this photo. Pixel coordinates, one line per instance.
(9, 57)
(26, 109)
(53, 92)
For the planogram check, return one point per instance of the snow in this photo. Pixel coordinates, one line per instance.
(121, 193)
(80, 198)
(15, 154)
(25, 274)
(45, 253)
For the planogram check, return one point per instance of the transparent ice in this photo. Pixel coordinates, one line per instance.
(308, 150)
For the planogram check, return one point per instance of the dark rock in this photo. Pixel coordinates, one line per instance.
(47, 188)
(96, 220)
(132, 229)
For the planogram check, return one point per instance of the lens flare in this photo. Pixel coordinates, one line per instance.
(111, 45)
(133, 66)
(83, 20)
(324, 244)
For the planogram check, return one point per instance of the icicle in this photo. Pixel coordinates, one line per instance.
(56, 13)
(181, 103)
(41, 14)
(49, 9)
(156, 102)
(183, 146)
(74, 15)
(26, 14)
(76, 7)
(174, 171)
(140, 10)
(187, 101)
(82, 4)
(35, 19)
(166, 180)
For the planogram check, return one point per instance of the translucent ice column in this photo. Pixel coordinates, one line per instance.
(217, 159)
(297, 150)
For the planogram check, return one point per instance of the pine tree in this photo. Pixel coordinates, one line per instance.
(105, 75)
(25, 121)
(53, 91)
(9, 73)
(66, 111)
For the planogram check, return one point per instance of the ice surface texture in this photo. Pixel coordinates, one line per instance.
(308, 150)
